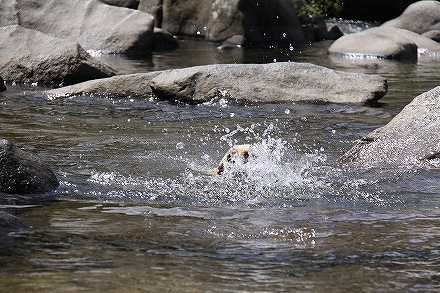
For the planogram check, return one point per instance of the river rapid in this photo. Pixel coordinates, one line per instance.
(134, 214)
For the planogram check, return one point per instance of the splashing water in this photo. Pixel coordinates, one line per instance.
(276, 174)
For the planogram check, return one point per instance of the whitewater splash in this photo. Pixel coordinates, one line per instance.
(278, 173)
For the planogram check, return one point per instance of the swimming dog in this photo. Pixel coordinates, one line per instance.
(237, 152)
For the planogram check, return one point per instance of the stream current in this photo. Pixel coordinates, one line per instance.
(132, 215)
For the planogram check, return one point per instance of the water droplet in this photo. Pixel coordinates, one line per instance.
(274, 60)
(287, 111)
(284, 35)
(180, 145)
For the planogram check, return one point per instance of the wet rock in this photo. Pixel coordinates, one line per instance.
(133, 4)
(116, 86)
(383, 42)
(275, 82)
(412, 137)
(10, 223)
(164, 40)
(420, 17)
(22, 172)
(31, 56)
(2, 85)
(93, 24)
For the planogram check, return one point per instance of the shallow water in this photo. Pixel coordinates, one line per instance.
(132, 215)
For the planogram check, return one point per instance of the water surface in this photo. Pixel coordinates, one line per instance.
(132, 215)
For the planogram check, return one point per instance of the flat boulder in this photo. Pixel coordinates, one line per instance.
(274, 82)
(94, 25)
(31, 56)
(412, 137)
(23, 173)
(383, 42)
(419, 17)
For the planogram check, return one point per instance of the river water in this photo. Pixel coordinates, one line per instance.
(132, 214)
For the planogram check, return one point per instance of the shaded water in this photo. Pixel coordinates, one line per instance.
(131, 215)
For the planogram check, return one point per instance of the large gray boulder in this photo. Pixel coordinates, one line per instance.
(420, 17)
(22, 172)
(93, 24)
(258, 23)
(275, 82)
(31, 56)
(383, 42)
(412, 137)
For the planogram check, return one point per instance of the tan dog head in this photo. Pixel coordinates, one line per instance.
(236, 152)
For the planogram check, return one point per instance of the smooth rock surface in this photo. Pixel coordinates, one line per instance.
(412, 137)
(31, 56)
(275, 82)
(23, 173)
(419, 17)
(93, 24)
(117, 86)
(383, 42)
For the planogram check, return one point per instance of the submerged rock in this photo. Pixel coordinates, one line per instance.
(419, 17)
(412, 137)
(22, 172)
(275, 82)
(31, 56)
(91, 23)
(10, 223)
(383, 42)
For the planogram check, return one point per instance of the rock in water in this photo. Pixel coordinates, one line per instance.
(22, 172)
(383, 42)
(92, 24)
(31, 56)
(413, 136)
(274, 82)
(10, 223)
(267, 83)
